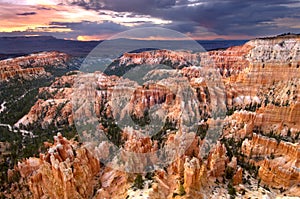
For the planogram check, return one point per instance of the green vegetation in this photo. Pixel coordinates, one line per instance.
(25, 147)
(202, 131)
(230, 111)
(231, 190)
(115, 69)
(113, 131)
(252, 169)
(284, 35)
(159, 136)
(297, 136)
(181, 190)
(20, 95)
(143, 121)
(277, 136)
(139, 182)
(149, 176)
(266, 187)
(229, 172)
(252, 107)
(233, 147)
(19, 100)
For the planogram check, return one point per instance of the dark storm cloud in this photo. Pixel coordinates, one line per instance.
(26, 13)
(139, 6)
(188, 26)
(232, 17)
(85, 28)
(224, 17)
(91, 28)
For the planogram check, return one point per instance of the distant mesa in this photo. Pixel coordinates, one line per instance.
(37, 38)
(23, 45)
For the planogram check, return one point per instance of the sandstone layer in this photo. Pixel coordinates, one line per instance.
(31, 66)
(65, 171)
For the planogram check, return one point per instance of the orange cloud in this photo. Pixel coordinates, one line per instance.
(93, 38)
(10, 20)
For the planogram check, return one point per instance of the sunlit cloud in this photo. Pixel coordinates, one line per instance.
(92, 37)
(129, 19)
(98, 19)
(39, 17)
(32, 2)
(11, 19)
(288, 22)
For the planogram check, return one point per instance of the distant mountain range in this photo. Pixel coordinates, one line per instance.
(26, 45)
(16, 46)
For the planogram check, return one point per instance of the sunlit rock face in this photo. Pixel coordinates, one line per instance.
(279, 162)
(65, 171)
(260, 88)
(31, 66)
(241, 67)
(10, 72)
(217, 161)
(272, 64)
(175, 60)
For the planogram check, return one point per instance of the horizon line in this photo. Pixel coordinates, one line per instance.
(135, 39)
(155, 39)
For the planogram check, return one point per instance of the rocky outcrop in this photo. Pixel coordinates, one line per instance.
(287, 116)
(278, 162)
(260, 83)
(10, 72)
(217, 161)
(114, 184)
(195, 177)
(65, 171)
(237, 67)
(229, 62)
(157, 57)
(44, 59)
(280, 121)
(53, 106)
(238, 177)
(31, 66)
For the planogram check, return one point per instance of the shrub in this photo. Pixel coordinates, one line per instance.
(202, 130)
(229, 172)
(231, 189)
(181, 190)
(139, 182)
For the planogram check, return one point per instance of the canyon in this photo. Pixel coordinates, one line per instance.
(245, 112)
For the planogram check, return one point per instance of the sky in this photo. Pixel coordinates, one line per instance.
(100, 19)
